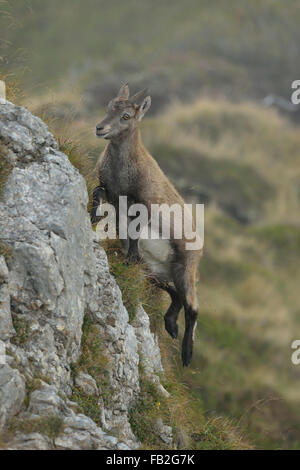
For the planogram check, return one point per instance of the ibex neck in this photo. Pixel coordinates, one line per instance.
(127, 146)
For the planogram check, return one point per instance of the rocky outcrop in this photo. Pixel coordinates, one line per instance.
(56, 275)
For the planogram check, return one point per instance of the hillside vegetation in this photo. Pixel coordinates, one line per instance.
(230, 157)
(236, 48)
(207, 69)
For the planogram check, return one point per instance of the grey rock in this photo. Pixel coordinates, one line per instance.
(12, 393)
(74, 440)
(3, 269)
(107, 310)
(122, 446)
(32, 441)
(86, 383)
(59, 273)
(6, 325)
(148, 343)
(46, 401)
(148, 348)
(164, 432)
(81, 433)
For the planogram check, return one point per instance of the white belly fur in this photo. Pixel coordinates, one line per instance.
(157, 255)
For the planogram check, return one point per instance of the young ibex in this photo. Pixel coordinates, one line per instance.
(127, 169)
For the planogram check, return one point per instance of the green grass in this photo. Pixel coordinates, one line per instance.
(236, 187)
(227, 272)
(93, 361)
(184, 413)
(22, 328)
(52, 426)
(284, 240)
(88, 405)
(130, 278)
(144, 413)
(229, 337)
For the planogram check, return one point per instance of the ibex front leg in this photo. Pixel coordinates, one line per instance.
(133, 251)
(134, 234)
(98, 195)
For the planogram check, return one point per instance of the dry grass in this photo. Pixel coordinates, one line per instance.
(51, 426)
(244, 133)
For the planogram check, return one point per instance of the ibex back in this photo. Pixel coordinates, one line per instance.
(127, 169)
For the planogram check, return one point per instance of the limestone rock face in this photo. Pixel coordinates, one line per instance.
(86, 383)
(56, 274)
(12, 393)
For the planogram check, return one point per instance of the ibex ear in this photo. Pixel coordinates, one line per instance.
(144, 108)
(124, 92)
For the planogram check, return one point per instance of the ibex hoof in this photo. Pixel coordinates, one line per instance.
(132, 258)
(186, 354)
(172, 328)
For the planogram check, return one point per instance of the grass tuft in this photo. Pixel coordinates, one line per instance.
(52, 426)
(131, 278)
(22, 327)
(94, 362)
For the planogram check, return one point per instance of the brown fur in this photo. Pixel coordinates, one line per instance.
(127, 169)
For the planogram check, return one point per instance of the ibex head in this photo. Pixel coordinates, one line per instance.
(123, 114)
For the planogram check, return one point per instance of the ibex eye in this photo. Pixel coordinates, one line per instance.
(126, 116)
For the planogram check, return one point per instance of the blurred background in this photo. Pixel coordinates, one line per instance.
(223, 128)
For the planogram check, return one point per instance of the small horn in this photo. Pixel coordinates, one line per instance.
(138, 95)
(124, 91)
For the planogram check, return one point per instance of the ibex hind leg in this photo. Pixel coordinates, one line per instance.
(173, 311)
(188, 339)
(185, 283)
(172, 314)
